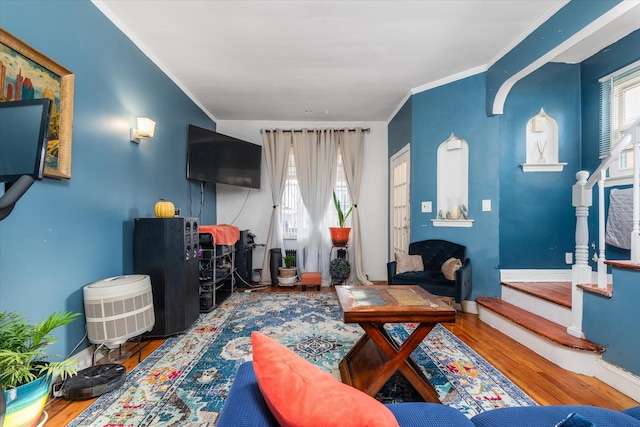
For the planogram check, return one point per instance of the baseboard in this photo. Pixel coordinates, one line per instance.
(618, 378)
(469, 306)
(529, 275)
(85, 357)
(377, 276)
(550, 275)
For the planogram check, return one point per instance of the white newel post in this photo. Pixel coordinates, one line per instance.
(580, 272)
(602, 268)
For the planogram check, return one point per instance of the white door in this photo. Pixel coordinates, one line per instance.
(400, 205)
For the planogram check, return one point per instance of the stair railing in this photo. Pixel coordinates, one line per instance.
(582, 199)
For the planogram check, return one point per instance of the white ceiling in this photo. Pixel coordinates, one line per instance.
(324, 60)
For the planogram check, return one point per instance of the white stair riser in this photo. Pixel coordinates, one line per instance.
(543, 308)
(581, 362)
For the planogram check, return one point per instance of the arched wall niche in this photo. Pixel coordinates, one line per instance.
(542, 144)
(453, 183)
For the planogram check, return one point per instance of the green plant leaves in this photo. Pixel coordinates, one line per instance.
(22, 345)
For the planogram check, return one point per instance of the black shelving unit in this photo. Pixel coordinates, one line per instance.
(215, 271)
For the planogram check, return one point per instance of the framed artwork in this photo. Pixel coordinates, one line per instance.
(25, 73)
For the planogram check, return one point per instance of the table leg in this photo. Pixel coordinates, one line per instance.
(399, 359)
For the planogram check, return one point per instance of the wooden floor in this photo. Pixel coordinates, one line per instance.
(543, 381)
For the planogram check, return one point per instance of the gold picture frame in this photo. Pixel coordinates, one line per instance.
(23, 69)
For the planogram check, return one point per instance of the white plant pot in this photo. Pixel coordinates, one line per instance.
(287, 281)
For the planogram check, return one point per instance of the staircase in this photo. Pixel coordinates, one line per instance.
(537, 315)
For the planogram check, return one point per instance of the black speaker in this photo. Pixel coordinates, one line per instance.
(275, 261)
(166, 249)
(244, 255)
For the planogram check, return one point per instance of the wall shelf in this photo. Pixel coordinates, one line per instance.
(452, 222)
(542, 167)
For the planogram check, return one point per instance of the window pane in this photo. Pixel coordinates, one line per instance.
(624, 110)
(292, 201)
(342, 193)
(631, 105)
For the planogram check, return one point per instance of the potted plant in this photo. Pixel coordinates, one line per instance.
(289, 273)
(340, 234)
(25, 372)
(339, 269)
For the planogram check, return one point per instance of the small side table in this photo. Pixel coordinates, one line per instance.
(310, 278)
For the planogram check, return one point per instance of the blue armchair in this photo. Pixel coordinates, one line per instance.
(434, 253)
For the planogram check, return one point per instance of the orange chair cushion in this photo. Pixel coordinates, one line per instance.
(310, 278)
(299, 393)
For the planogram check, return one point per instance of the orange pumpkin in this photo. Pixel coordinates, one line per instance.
(164, 209)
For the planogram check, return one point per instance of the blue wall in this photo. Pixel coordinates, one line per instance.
(459, 107)
(537, 220)
(613, 322)
(573, 17)
(400, 129)
(533, 222)
(64, 234)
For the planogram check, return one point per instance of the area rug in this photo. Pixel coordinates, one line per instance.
(186, 380)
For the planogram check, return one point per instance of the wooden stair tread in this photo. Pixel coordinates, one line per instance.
(555, 292)
(538, 325)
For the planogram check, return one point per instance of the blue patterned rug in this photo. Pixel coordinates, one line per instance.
(185, 381)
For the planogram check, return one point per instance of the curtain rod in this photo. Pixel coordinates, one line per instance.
(364, 130)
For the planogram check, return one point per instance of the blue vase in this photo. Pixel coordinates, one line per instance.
(3, 405)
(24, 404)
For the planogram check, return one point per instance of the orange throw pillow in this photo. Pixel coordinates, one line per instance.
(301, 394)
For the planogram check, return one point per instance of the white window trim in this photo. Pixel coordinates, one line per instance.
(616, 175)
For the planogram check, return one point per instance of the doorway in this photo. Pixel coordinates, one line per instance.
(400, 206)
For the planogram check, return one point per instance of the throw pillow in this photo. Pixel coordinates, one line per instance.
(449, 268)
(575, 420)
(406, 263)
(299, 393)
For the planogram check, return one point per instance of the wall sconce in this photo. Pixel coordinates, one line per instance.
(145, 130)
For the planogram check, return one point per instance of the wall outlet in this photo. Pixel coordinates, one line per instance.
(568, 257)
(427, 207)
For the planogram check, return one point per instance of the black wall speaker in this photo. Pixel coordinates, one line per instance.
(166, 249)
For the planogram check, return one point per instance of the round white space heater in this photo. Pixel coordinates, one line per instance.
(118, 308)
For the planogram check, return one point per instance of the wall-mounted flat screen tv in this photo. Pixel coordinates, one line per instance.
(214, 157)
(24, 128)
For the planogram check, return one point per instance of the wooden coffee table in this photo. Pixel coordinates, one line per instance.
(376, 356)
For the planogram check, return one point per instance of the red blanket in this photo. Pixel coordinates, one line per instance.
(223, 234)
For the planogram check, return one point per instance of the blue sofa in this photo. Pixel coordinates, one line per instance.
(245, 407)
(434, 253)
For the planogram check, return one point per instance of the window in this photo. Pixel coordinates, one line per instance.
(292, 201)
(619, 107)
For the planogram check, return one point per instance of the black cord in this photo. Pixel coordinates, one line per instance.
(201, 200)
(242, 208)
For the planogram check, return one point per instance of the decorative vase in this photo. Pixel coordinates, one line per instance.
(339, 269)
(25, 404)
(454, 209)
(339, 235)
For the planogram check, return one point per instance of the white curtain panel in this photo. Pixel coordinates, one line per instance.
(276, 151)
(316, 157)
(351, 145)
